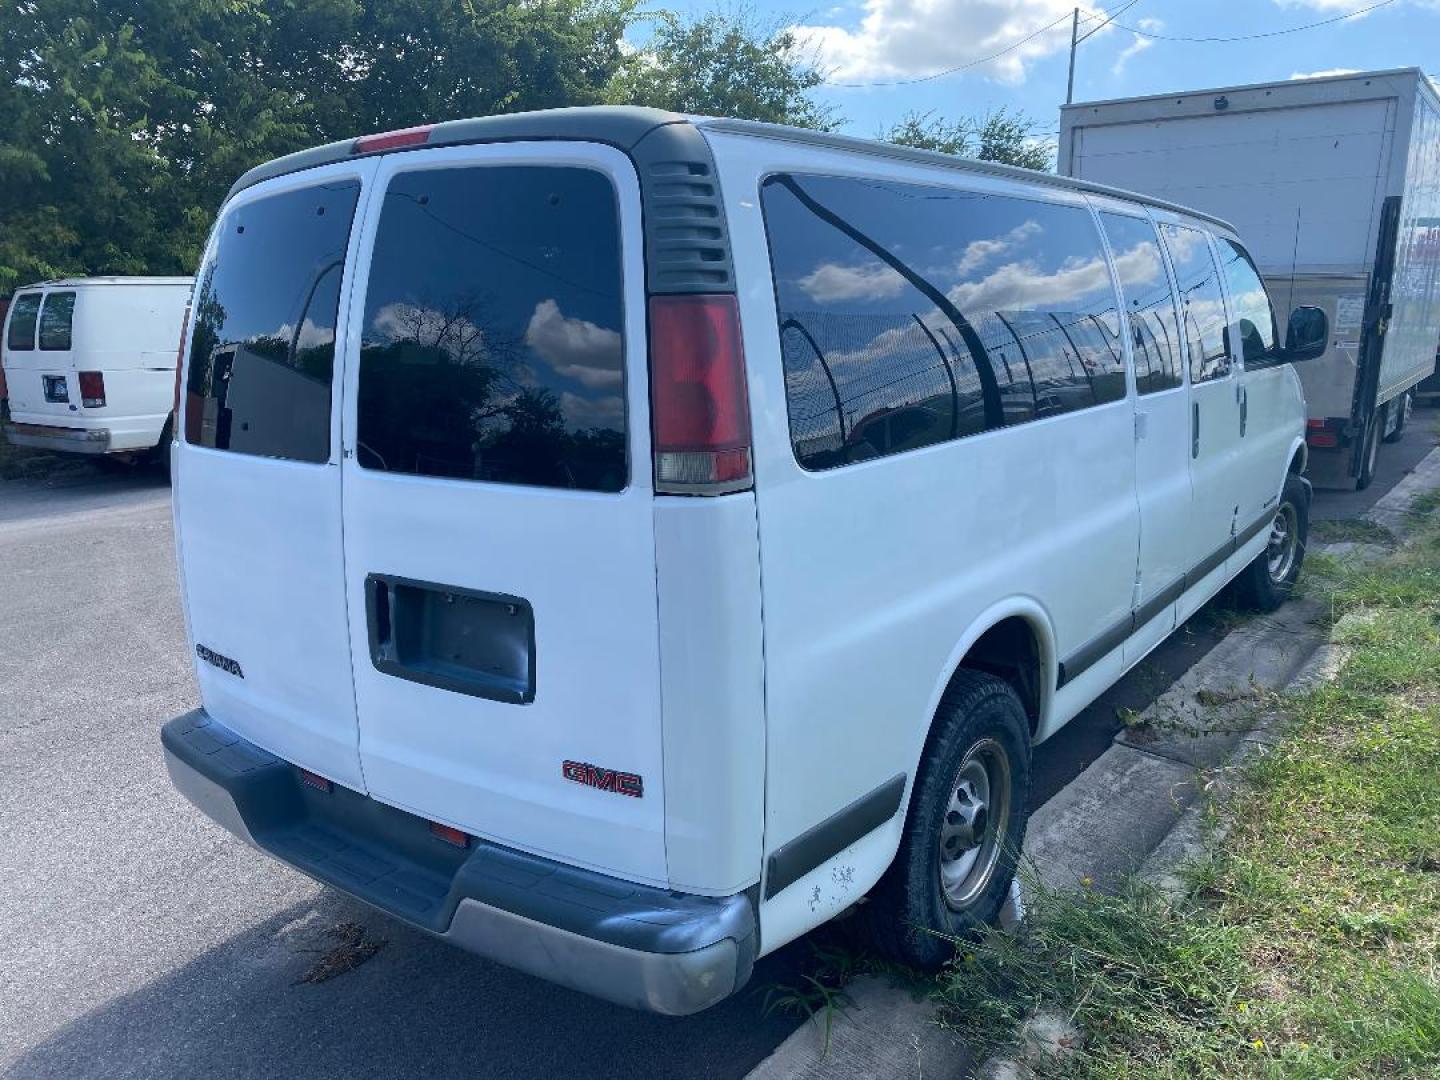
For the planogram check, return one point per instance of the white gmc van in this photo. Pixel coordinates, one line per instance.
(90, 364)
(617, 542)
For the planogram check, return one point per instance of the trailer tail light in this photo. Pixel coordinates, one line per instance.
(92, 389)
(449, 834)
(1319, 434)
(698, 397)
(391, 140)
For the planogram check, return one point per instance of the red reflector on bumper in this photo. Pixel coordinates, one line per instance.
(449, 834)
(315, 780)
(1323, 439)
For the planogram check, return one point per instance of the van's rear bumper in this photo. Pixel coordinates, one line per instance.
(632, 944)
(50, 437)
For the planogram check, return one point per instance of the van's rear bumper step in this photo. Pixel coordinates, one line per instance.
(632, 944)
(48, 437)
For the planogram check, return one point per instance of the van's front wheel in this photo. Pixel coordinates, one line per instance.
(965, 826)
(1268, 581)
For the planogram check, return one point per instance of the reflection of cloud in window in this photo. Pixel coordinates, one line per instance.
(831, 282)
(583, 412)
(978, 252)
(1021, 285)
(575, 348)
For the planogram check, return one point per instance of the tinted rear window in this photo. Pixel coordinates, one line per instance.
(56, 319)
(263, 350)
(912, 315)
(493, 345)
(22, 322)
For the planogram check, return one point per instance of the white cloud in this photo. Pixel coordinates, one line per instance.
(575, 348)
(900, 39)
(1323, 74)
(1138, 45)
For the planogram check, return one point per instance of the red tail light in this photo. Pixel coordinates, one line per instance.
(180, 368)
(449, 834)
(92, 389)
(316, 781)
(698, 398)
(390, 140)
(1319, 433)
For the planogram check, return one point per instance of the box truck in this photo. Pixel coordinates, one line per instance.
(1335, 184)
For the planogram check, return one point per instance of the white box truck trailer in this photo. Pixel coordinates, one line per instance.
(1335, 185)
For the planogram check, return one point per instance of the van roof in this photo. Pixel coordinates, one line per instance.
(624, 126)
(85, 282)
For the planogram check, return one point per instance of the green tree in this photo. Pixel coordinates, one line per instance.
(123, 123)
(1004, 136)
(725, 63)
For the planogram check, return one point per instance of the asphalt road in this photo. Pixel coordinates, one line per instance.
(138, 940)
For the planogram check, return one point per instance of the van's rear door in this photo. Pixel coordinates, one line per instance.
(257, 481)
(499, 535)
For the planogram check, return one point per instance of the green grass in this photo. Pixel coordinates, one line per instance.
(1308, 942)
(1350, 530)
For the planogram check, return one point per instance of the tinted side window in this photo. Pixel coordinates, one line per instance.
(263, 350)
(23, 313)
(1253, 313)
(911, 314)
(1201, 301)
(1145, 287)
(56, 319)
(493, 344)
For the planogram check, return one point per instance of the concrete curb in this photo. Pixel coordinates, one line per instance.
(1149, 783)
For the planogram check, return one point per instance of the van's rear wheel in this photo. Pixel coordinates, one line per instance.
(964, 829)
(1268, 581)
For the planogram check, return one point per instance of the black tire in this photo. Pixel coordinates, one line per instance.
(1270, 580)
(1402, 404)
(909, 917)
(1371, 452)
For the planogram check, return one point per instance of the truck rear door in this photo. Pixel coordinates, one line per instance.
(498, 507)
(257, 496)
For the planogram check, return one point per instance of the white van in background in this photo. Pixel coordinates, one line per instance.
(617, 542)
(90, 364)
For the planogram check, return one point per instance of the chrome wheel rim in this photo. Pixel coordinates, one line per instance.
(973, 830)
(1284, 539)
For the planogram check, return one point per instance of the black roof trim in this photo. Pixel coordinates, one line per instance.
(621, 126)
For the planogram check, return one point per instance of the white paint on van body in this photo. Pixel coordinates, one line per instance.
(763, 658)
(127, 329)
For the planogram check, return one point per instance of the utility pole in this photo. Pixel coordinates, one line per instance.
(1074, 41)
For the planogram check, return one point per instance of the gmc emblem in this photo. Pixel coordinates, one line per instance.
(224, 663)
(619, 783)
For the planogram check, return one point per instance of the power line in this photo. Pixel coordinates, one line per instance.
(1252, 37)
(1107, 22)
(959, 67)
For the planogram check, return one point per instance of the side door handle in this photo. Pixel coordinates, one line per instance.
(1244, 409)
(1194, 429)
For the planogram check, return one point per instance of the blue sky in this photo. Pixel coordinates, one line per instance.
(867, 41)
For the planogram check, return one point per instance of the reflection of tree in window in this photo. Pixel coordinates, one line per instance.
(493, 346)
